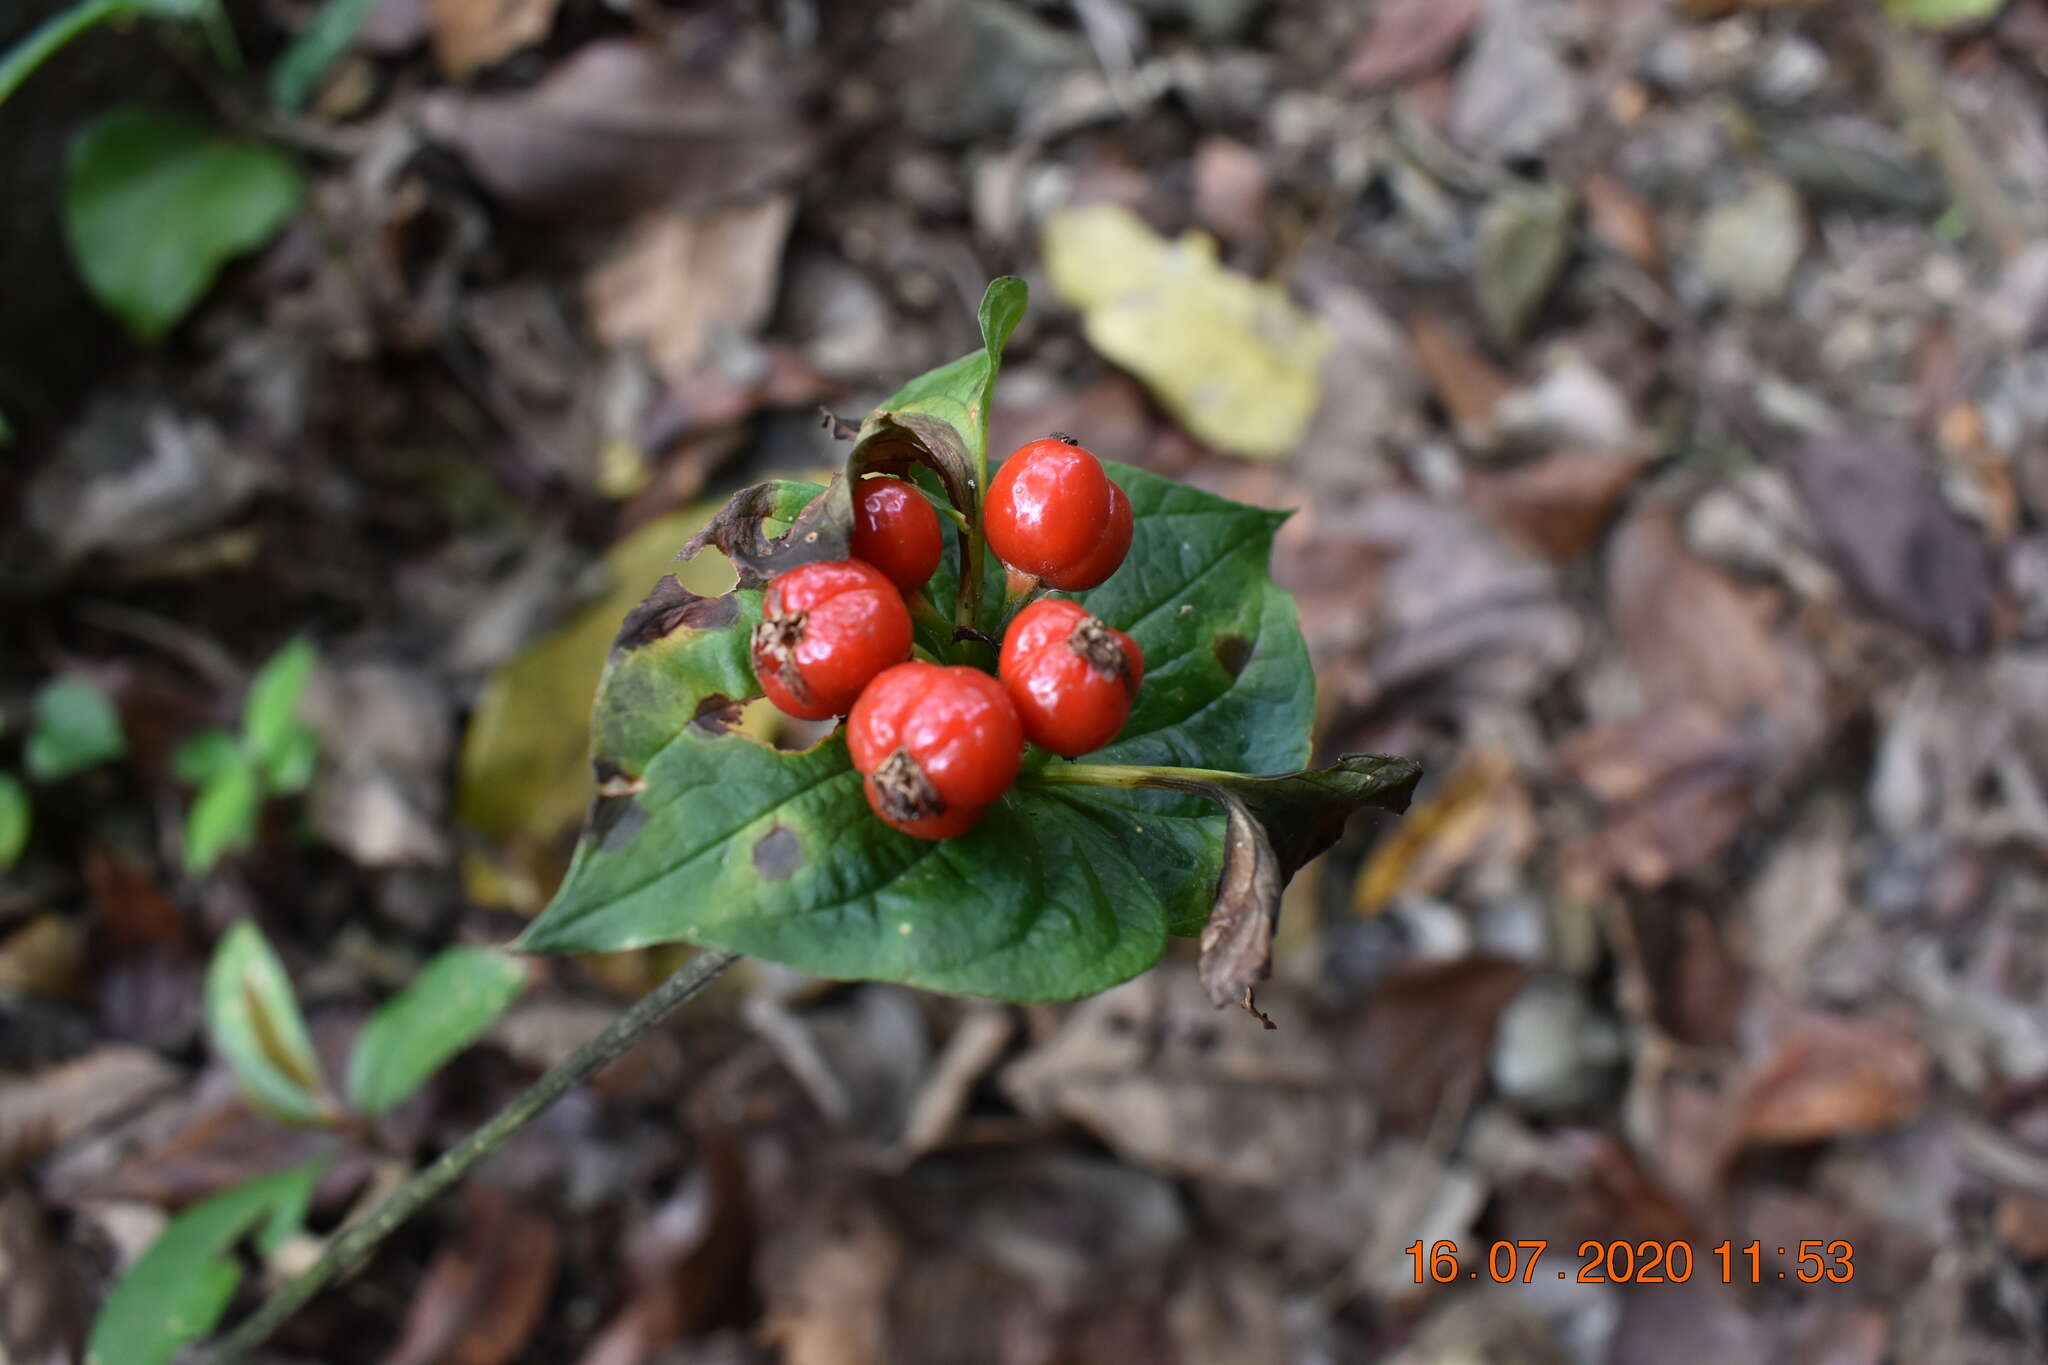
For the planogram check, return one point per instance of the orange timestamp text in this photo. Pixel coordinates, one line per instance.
(1808, 1262)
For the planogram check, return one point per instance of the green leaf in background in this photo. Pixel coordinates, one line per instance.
(290, 765)
(154, 206)
(177, 1290)
(448, 1006)
(254, 1021)
(319, 45)
(14, 820)
(1940, 14)
(224, 816)
(270, 713)
(205, 756)
(75, 728)
(711, 836)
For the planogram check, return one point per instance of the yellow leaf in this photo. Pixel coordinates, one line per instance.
(525, 777)
(1231, 358)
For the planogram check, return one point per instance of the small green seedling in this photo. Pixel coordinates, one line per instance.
(274, 756)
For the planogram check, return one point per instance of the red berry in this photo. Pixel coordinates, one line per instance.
(826, 629)
(1052, 512)
(936, 746)
(896, 530)
(1071, 677)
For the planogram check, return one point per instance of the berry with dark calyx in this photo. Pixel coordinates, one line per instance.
(936, 747)
(896, 530)
(826, 630)
(1052, 513)
(1071, 678)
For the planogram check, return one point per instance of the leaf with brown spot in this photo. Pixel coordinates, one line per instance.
(820, 524)
(1622, 221)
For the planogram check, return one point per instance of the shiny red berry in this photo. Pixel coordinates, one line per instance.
(1052, 512)
(1071, 677)
(826, 629)
(896, 530)
(936, 747)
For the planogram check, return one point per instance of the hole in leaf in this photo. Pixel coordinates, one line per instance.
(671, 607)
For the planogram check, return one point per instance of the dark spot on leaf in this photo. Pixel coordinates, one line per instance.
(671, 607)
(717, 714)
(1233, 652)
(614, 821)
(778, 853)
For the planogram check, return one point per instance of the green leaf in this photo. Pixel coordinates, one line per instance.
(299, 71)
(254, 1021)
(75, 728)
(14, 820)
(224, 817)
(154, 206)
(446, 1008)
(291, 763)
(709, 836)
(1940, 14)
(202, 758)
(271, 710)
(177, 1290)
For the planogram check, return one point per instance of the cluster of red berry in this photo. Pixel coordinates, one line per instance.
(937, 745)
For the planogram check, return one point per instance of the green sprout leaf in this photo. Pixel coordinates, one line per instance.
(14, 820)
(254, 1021)
(225, 816)
(154, 206)
(270, 713)
(319, 46)
(289, 766)
(75, 728)
(204, 757)
(177, 1290)
(446, 1008)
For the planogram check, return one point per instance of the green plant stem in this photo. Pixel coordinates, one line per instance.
(1127, 777)
(348, 1251)
(31, 52)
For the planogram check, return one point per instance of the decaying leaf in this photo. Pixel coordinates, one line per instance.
(1150, 1069)
(1233, 359)
(618, 128)
(472, 34)
(1895, 537)
(1829, 1076)
(1558, 505)
(680, 280)
(1524, 237)
(1465, 382)
(1410, 38)
(1482, 811)
(819, 521)
(1274, 824)
(483, 1293)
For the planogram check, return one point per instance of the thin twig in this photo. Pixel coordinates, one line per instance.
(348, 1251)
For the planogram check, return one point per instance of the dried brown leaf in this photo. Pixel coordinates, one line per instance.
(1897, 540)
(619, 128)
(48, 1109)
(1623, 221)
(472, 34)
(483, 1293)
(681, 282)
(1469, 385)
(1409, 38)
(1829, 1076)
(1558, 505)
(1424, 1037)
